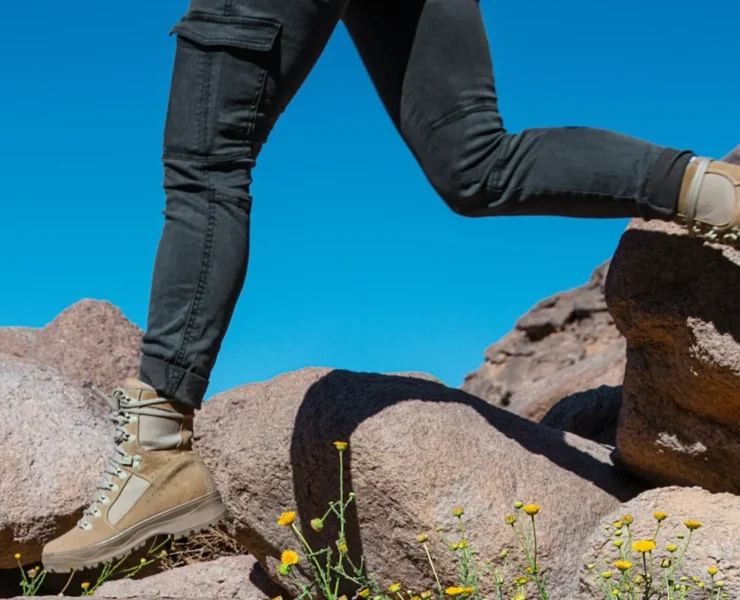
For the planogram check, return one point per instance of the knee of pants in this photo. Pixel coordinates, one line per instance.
(464, 192)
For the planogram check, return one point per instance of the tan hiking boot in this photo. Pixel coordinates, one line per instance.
(154, 484)
(709, 203)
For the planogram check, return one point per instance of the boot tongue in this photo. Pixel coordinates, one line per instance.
(138, 390)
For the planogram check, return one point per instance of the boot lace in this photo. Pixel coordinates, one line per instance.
(125, 410)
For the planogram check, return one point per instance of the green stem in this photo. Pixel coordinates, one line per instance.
(534, 538)
(431, 563)
(311, 557)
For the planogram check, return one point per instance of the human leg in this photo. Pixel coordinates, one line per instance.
(238, 64)
(431, 64)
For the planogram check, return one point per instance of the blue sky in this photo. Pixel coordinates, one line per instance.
(355, 262)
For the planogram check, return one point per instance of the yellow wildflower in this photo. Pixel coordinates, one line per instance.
(458, 511)
(618, 525)
(341, 446)
(510, 519)
(692, 525)
(638, 579)
(364, 593)
(518, 597)
(17, 556)
(536, 569)
(289, 558)
(521, 580)
(85, 585)
(394, 588)
(712, 571)
(628, 519)
(531, 509)
(342, 547)
(643, 546)
(462, 545)
(422, 537)
(660, 516)
(623, 565)
(426, 595)
(287, 518)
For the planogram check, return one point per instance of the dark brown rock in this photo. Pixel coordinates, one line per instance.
(676, 300)
(592, 414)
(566, 344)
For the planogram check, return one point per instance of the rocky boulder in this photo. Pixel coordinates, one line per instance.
(234, 577)
(52, 442)
(91, 343)
(592, 414)
(714, 544)
(676, 301)
(417, 449)
(567, 343)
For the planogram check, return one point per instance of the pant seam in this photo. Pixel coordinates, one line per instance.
(199, 289)
(205, 99)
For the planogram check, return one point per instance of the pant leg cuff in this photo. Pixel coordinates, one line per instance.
(173, 382)
(664, 184)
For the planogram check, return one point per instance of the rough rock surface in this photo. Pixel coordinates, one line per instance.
(52, 444)
(715, 544)
(236, 577)
(91, 342)
(676, 301)
(566, 344)
(417, 449)
(592, 414)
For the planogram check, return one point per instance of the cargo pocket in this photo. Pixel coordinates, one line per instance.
(221, 65)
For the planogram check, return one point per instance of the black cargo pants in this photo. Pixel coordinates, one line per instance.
(238, 64)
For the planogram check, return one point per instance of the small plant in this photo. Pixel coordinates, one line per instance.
(329, 566)
(633, 575)
(32, 579)
(638, 574)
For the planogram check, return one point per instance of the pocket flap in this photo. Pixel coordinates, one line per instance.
(217, 30)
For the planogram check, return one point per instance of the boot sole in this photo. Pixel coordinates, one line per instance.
(181, 521)
(712, 235)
